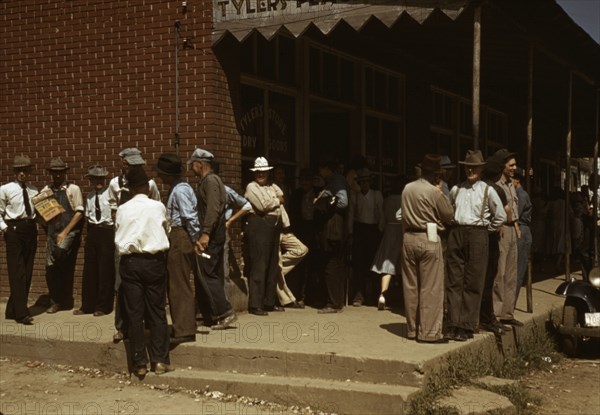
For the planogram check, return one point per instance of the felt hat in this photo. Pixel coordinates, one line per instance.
(503, 155)
(473, 158)
(431, 164)
(169, 164)
(57, 164)
(96, 171)
(21, 161)
(136, 177)
(447, 163)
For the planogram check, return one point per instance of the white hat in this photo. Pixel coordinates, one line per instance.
(261, 164)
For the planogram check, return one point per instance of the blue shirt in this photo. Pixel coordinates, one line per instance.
(336, 186)
(182, 209)
(234, 199)
(525, 207)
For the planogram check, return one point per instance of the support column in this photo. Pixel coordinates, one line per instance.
(528, 163)
(476, 73)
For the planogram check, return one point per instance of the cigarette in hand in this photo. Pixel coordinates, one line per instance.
(205, 255)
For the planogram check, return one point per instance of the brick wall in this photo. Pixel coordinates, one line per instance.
(84, 79)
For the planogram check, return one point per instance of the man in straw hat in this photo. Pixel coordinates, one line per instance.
(425, 211)
(211, 196)
(185, 231)
(478, 210)
(63, 237)
(119, 193)
(141, 237)
(17, 223)
(97, 293)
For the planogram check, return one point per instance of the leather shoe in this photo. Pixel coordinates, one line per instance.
(512, 322)
(140, 371)
(294, 304)
(183, 339)
(460, 335)
(225, 322)
(275, 308)
(443, 340)
(118, 336)
(99, 313)
(329, 310)
(27, 320)
(258, 312)
(54, 308)
(162, 368)
(78, 312)
(492, 327)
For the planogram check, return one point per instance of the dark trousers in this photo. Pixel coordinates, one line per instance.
(486, 312)
(97, 292)
(59, 276)
(180, 262)
(335, 274)
(210, 279)
(21, 244)
(365, 242)
(144, 285)
(263, 235)
(467, 261)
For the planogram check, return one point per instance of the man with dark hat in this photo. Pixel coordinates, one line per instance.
(119, 193)
(17, 223)
(478, 210)
(505, 284)
(185, 231)
(63, 237)
(97, 293)
(141, 237)
(425, 211)
(211, 196)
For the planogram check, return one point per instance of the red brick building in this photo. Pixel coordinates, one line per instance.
(391, 80)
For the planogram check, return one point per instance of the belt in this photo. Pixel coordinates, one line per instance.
(473, 226)
(16, 221)
(100, 225)
(146, 255)
(415, 230)
(510, 223)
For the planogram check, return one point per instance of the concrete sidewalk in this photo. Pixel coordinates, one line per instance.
(292, 357)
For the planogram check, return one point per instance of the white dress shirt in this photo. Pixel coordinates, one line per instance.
(105, 208)
(366, 208)
(114, 191)
(11, 202)
(141, 227)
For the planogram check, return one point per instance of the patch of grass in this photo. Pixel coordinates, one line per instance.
(536, 350)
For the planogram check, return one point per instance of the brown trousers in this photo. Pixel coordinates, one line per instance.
(180, 263)
(423, 286)
(505, 284)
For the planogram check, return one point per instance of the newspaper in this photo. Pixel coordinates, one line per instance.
(46, 205)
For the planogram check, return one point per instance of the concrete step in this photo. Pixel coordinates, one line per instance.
(349, 397)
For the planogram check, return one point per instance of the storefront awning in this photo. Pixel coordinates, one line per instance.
(298, 16)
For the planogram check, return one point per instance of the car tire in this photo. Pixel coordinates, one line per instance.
(569, 343)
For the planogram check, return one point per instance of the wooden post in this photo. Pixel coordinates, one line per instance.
(568, 183)
(476, 73)
(528, 164)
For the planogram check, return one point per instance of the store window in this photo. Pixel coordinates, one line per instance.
(273, 59)
(331, 75)
(383, 150)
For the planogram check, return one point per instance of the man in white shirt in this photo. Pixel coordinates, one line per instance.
(141, 238)
(17, 223)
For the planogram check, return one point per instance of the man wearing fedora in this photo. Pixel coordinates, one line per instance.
(215, 307)
(505, 284)
(17, 223)
(185, 231)
(366, 221)
(477, 211)
(425, 211)
(141, 237)
(63, 237)
(97, 293)
(119, 193)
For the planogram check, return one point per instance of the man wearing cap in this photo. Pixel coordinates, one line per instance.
(505, 283)
(185, 231)
(215, 306)
(478, 210)
(366, 221)
(331, 204)
(63, 237)
(141, 237)
(17, 223)
(97, 293)
(118, 193)
(425, 211)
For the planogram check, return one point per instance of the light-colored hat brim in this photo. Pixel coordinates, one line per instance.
(267, 168)
(465, 163)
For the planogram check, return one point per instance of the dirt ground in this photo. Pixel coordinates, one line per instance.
(571, 386)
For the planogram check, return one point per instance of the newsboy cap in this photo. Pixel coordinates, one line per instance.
(132, 156)
(503, 155)
(201, 155)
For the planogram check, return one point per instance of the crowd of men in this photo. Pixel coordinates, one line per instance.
(456, 248)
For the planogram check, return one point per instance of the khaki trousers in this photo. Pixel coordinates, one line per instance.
(423, 286)
(292, 251)
(505, 284)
